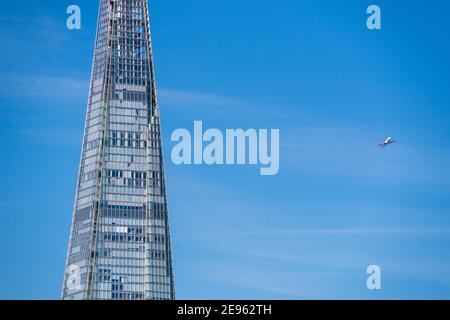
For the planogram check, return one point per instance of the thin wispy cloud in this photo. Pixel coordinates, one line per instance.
(267, 281)
(349, 151)
(25, 203)
(182, 98)
(294, 259)
(56, 88)
(343, 232)
(54, 137)
(51, 88)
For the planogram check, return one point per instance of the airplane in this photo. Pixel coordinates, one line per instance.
(386, 142)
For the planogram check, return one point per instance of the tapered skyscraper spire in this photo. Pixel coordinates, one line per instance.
(119, 241)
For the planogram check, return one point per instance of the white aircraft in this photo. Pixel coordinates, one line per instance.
(386, 142)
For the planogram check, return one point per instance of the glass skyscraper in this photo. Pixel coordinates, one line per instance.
(119, 241)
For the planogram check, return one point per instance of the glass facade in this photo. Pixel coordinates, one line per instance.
(119, 242)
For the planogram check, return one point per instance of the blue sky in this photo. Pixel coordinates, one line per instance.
(311, 69)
